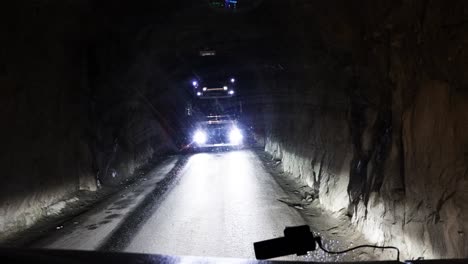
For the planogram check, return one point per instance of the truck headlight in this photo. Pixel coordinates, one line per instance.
(200, 137)
(235, 136)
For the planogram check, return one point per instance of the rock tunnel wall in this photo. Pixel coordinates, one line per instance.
(388, 144)
(75, 106)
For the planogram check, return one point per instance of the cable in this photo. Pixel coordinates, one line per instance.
(319, 242)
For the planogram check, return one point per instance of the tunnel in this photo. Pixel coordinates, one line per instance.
(354, 117)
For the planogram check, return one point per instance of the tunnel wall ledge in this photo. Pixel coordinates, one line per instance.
(333, 197)
(332, 188)
(45, 205)
(423, 220)
(19, 216)
(371, 220)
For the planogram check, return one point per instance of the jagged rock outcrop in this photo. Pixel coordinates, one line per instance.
(81, 105)
(394, 155)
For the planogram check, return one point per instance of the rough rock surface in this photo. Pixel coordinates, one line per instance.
(368, 104)
(75, 105)
(388, 146)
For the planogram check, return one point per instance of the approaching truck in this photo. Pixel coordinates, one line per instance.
(217, 131)
(215, 113)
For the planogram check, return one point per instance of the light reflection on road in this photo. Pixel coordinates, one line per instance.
(222, 204)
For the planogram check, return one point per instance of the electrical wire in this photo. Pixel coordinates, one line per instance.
(319, 242)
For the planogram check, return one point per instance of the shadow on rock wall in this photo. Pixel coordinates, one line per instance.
(75, 107)
(393, 155)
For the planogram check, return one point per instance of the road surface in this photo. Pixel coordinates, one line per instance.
(214, 204)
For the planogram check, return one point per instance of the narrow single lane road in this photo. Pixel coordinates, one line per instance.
(222, 204)
(217, 205)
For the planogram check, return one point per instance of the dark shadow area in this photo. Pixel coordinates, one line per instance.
(363, 101)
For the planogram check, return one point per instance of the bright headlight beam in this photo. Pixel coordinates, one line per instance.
(199, 137)
(235, 136)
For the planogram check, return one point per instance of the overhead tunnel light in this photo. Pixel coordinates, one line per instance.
(207, 53)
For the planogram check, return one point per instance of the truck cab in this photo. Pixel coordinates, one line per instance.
(216, 111)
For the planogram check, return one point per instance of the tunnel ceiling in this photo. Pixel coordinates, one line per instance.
(266, 37)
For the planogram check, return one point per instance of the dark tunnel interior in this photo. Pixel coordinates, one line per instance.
(364, 102)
